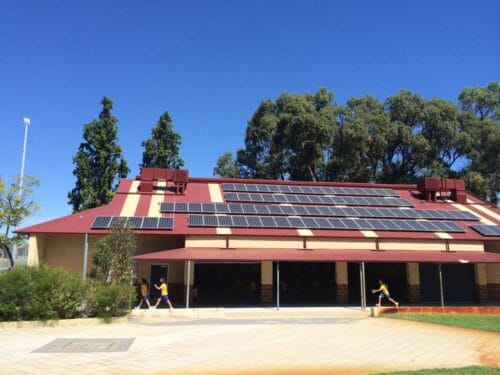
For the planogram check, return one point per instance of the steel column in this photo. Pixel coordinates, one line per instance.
(188, 282)
(85, 255)
(277, 285)
(441, 285)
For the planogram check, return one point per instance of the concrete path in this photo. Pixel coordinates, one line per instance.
(337, 341)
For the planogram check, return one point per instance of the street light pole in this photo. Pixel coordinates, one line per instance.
(26, 122)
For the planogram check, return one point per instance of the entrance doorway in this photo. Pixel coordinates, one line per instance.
(157, 271)
(227, 284)
(306, 284)
(458, 283)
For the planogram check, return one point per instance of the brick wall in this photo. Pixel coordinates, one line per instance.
(266, 294)
(342, 293)
(481, 293)
(494, 292)
(413, 292)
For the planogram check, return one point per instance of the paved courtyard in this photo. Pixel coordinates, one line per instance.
(244, 342)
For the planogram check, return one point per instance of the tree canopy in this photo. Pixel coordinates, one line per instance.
(162, 149)
(226, 166)
(112, 256)
(99, 162)
(14, 207)
(311, 137)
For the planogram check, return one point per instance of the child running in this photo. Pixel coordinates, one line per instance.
(164, 294)
(384, 293)
(144, 294)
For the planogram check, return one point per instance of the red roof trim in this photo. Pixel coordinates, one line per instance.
(301, 255)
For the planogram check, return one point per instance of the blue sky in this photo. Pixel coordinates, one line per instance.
(210, 64)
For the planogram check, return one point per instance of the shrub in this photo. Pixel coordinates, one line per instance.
(41, 293)
(108, 300)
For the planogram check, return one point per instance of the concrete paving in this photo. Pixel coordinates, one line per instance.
(255, 341)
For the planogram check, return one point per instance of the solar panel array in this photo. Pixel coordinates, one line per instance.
(241, 221)
(487, 230)
(134, 222)
(316, 199)
(296, 210)
(299, 189)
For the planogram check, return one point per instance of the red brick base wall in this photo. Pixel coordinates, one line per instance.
(413, 292)
(176, 293)
(481, 293)
(493, 292)
(342, 293)
(266, 294)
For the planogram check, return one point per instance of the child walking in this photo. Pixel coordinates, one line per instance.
(384, 293)
(164, 294)
(144, 294)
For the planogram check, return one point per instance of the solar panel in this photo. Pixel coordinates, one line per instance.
(195, 220)
(323, 223)
(210, 221)
(316, 199)
(150, 223)
(165, 223)
(225, 221)
(101, 222)
(208, 207)
(135, 222)
(168, 207)
(305, 189)
(310, 210)
(487, 230)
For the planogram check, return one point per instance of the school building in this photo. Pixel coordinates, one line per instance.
(239, 242)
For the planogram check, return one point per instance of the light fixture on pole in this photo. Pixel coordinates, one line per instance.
(26, 123)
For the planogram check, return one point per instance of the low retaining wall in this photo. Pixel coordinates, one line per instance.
(485, 310)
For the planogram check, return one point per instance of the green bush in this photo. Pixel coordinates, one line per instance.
(41, 293)
(108, 300)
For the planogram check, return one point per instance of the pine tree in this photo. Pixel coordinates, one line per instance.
(98, 163)
(162, 149)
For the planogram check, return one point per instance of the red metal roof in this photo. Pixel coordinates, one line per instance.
(198, 191)
(303, 255)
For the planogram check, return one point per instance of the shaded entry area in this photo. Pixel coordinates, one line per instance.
(393, 274)
(458, 283)
(226, 284)
(306, 284)
(157, 271)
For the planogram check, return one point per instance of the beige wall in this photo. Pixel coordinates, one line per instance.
(493, 273)
(493, 246)
(343, 244)
(266, 272)
(36, 249)
(66, 250)
(412, 274)
(266, 242)
(341, 274)
(205, 241)
(466, 246)
(480, 274)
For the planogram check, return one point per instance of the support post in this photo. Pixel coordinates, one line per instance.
(441, 285)
(277, 285)
(85, 255)
(362, 285)
(189, 282)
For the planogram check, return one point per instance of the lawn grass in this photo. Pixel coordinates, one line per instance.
(476, 321)
(473, 370)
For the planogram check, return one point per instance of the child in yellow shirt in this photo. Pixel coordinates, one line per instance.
(163, 288)
(384, 293)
